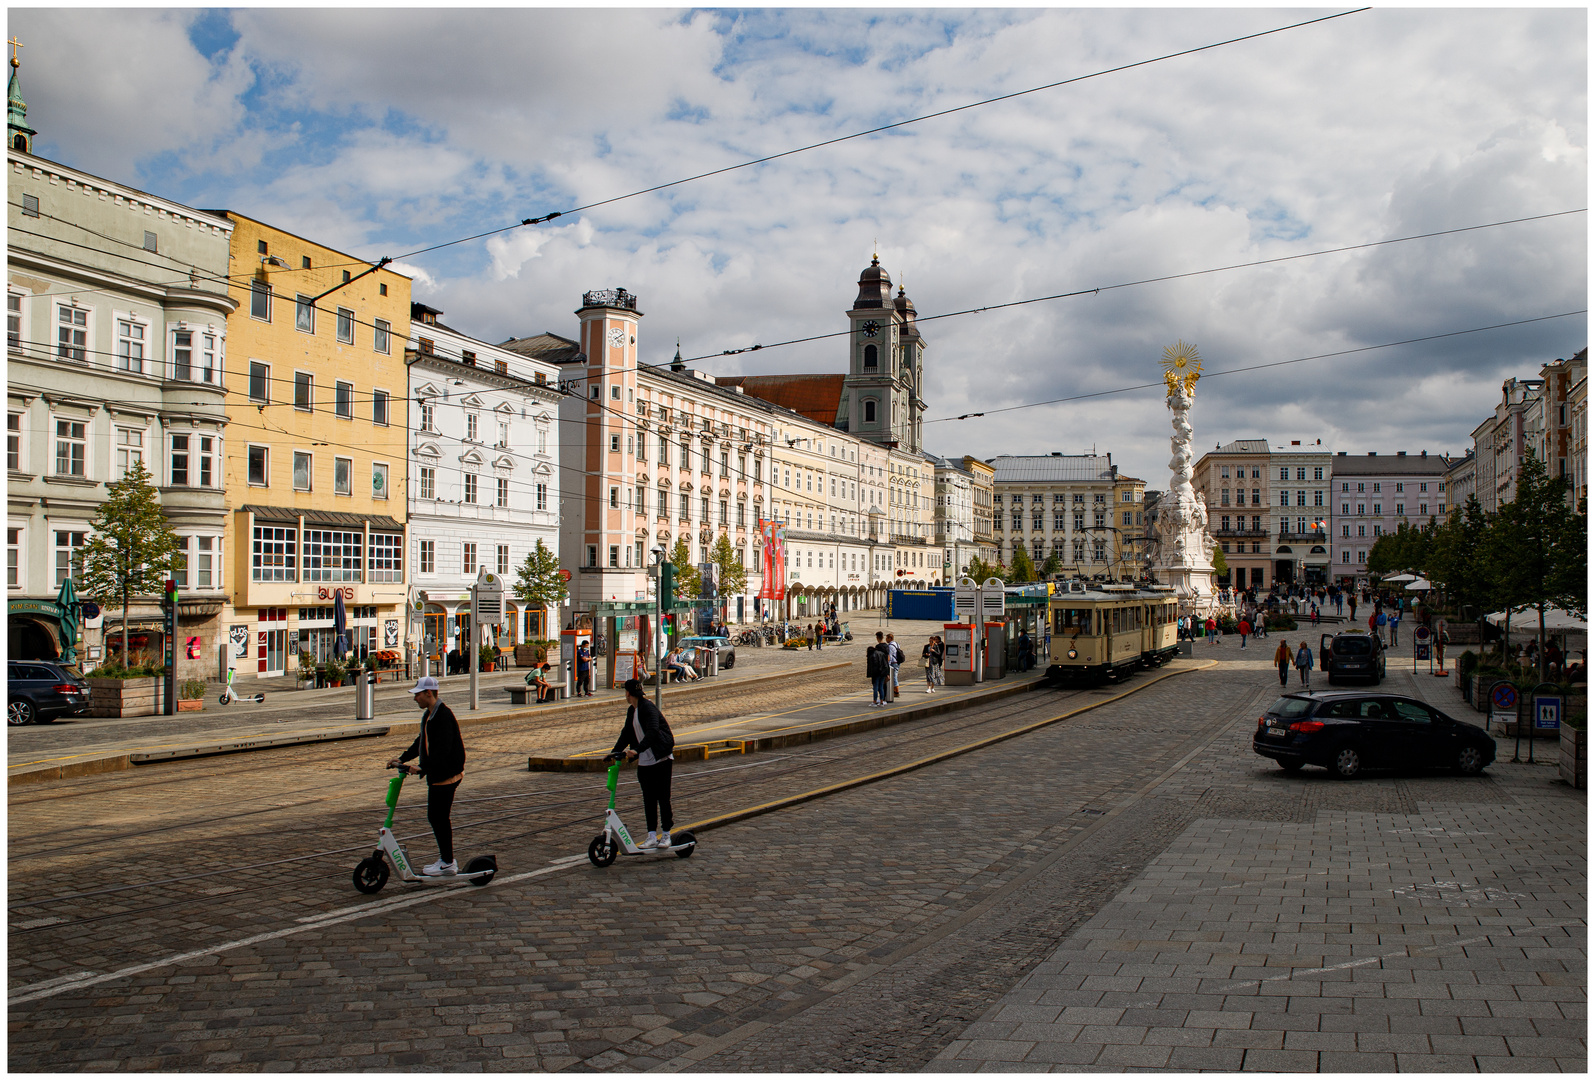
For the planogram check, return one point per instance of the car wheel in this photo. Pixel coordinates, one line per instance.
(730, 663)
(1470, 761)
(1291, 766)
(20, 712)
(1348, 763)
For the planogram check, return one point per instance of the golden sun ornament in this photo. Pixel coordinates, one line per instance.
(1182, 366)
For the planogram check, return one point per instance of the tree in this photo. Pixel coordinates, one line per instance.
(1456, 559)
(1405, 549)
(539, 581)
(979, 570)
(732, 574)
(1021, 568)
(1220, 564)
(689, 585)
(1535, 548)
(132, 549)
(1053, 566)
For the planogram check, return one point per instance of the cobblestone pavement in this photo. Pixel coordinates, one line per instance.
(868, 930)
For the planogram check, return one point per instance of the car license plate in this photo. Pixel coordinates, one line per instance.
(1277, 731)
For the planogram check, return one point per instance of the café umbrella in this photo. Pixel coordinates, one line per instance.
(67, 600)
(1420, 585)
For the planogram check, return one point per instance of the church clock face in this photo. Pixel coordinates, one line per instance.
(617, 336)
(871, 329)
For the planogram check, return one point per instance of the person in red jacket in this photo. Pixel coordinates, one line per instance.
(1243, 628)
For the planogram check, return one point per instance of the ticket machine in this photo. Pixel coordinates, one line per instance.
(958, 663)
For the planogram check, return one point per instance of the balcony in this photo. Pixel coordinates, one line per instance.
(614, 298)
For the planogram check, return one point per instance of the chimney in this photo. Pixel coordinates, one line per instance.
(1373, 453)
(1423, 453)
(1341, 454)
(1401, 453)
(1295, 442)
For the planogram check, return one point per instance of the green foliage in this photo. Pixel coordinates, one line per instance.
(131, 548)
(484, 656)
(688, 582)
(1021, 569)
(1456, 561)
(193, 690)
(979, 570)
(336, 671)
(538, 581)
(1279, 622)
(1535, 548)
(1220, 564)
(1053, 566)
(733, 576)
(1468, 663)
(1408, 548)
(118, 671)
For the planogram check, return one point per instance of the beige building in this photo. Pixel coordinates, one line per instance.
(984, 494)
(1268, 510)
(1076, 506)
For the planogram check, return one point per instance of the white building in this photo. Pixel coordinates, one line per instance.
(1074, 505)
(1375, 494)
(955, 517)
(484, 475)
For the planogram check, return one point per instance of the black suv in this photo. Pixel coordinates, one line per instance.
(1346, 731)
(38, 691)
(1352, 654)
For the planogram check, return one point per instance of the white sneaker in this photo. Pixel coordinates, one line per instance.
(664, 839)
(440, 867)
(650, 841)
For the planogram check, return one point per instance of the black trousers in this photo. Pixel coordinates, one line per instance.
(439, 801)
(655, 782)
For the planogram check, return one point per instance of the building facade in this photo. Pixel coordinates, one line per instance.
(117, 311)
(1235, 482)
(984, 492)
(315, 458)
(1375, 494)
(955, 517)
(484, 485)
(1071, 505)
(1460, 479)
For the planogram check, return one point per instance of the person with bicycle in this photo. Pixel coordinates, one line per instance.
(646, 738)
(442, 762)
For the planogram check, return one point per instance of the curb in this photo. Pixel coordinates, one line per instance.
(70, 771)
(823, 730)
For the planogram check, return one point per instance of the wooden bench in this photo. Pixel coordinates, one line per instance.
(524, 695)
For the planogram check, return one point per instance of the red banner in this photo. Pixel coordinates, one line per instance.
(774, 561)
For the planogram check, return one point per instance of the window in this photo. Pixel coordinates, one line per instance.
(1400, 488)
(1099, 520)
(1301, 498)
(379, 408)
(642, 500)
(302, 471)
(1284, 498)
(1318, 498)
(427, 417)
(257, 467)
(542, 496)
(14, 320)
(1318, 472)
(259, 376)
(14, 441)
(1301, 473)
(150, 240)
(1362, 530)
(871, 359)
(503, 433)
(342, 476)
(470, 487)
(69, 556)
(72, 333)
(686, 506)
(1058, 521)
(1128, 517)
(503, 560)
(1423, 508)
(186, 366)
(1223, 471)
(1362, 508)
(332, 555)
(30, 206)
(869, 407)
(260, 299)
(193, 460)
(381, 333)
(470, 426)
(379, 480)
(468, 558)
(1362, 556)
(503, 491)
(614, 444)
(385, 559)
(130, 337)
(304, 262)
(1359, 487)
(1378, 530)
(275, 551)
(129, 450)
(71, 447)
(1284, 473)
(1223, 497)
(382, 289)
(343, 399)
(725, 468)
(1401, 509)
(13, 558)
(614, 556)
(346, 326)
(592, 554)
(1376, 488)
(304, 314)
(1378, 508)
(429, 483)
(428, 556)
(304, 392)
(1345, 530)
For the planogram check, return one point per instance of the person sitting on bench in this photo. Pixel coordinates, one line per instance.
(678, 667)
(538, 679)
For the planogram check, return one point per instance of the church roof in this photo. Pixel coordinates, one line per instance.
(874, 287)
(814, 396)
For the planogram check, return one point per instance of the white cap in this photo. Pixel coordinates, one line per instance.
(426, 682)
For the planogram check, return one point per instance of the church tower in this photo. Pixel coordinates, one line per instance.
(18, 133)
(881, 398)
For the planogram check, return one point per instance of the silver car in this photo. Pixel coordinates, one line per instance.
(727, 651)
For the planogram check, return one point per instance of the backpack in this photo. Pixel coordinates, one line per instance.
(874, 663)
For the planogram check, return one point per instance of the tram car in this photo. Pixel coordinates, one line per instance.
(1103, 632)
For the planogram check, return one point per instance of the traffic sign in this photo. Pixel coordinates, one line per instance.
(1422, 651)
(1547, 713)
(1504, 696)
(1421, 633)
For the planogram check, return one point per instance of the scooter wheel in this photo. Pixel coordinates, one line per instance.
(685, 844)
(260, 699)
(371, 875)
(486, 865)
(222, 700)
(602, 851)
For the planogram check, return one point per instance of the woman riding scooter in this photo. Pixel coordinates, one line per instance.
(647, 739)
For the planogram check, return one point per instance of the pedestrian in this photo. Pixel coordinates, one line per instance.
(646, 738)
(584, 669)
(819, 634)
(932, 657)
(1304, 662)
(1027, 658)
(894, 655)
(1352, 616)
(442, 762)
(1395, 623)
(1211, 627)
(1243, 628)
(1315, 616)
(1282, 661)
(811, 635)
(1378, 621)
(878, 666)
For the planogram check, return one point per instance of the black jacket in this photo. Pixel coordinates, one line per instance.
(439, 746)
(656, 734)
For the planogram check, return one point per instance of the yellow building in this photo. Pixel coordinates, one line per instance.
(315, 450)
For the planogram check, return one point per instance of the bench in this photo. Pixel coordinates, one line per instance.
(524, 695)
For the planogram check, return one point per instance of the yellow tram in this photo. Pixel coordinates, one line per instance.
(1102, 632)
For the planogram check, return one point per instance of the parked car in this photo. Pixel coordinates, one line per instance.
(728, 652)
(1347, 731)
(1352, 654)
(39, 691)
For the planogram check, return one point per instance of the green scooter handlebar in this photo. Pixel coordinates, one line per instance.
(393, 798)
(614, 778)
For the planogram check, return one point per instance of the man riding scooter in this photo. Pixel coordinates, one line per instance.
(442, 754)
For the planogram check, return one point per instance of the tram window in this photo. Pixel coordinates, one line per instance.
(1074, 621)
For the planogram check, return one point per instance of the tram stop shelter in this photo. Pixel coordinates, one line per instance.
(1025, 612)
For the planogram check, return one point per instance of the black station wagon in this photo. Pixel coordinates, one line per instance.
(1352, 654)
(1346, 731)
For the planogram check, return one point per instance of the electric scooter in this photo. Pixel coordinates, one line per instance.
(372, 873)
(615, 840)
(231, 696)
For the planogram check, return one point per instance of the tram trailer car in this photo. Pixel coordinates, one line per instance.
(1103, 632)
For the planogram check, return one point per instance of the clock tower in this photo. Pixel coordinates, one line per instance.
(881, 395)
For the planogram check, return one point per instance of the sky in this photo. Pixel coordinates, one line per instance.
(384, 131)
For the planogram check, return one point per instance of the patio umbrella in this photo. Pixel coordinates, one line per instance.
(340, 626)
(1397, 579)
(67, 600)
(1555, 619)
(1421, 585)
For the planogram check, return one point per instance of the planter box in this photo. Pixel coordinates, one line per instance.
(1573, 764)
(197, 705)
(127, 697)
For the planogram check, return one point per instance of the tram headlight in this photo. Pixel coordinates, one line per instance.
(1073, 655)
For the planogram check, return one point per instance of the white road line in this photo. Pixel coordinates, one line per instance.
(53, 987)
